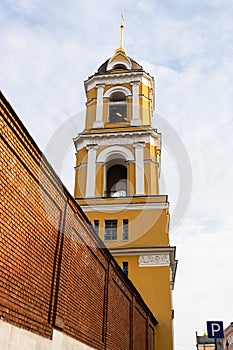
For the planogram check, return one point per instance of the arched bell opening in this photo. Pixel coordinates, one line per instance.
(116, 178)
(117, 107)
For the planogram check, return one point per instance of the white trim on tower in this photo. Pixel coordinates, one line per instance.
(91, 170)
(118, 79)
(99, 106)
(111, 65)
(103, 155)
(123, 89)
(135, 118)
(139, 167)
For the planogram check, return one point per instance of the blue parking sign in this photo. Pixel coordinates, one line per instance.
(215, 329)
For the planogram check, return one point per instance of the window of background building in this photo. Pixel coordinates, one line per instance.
(96, 226)
(110, 231)
(125, 230)
(125, 267)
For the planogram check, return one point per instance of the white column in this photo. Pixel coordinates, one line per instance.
(135, 107)
(91, 170)
(99, 107)
(139, 168)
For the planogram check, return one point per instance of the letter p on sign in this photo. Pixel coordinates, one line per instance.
(215, 329)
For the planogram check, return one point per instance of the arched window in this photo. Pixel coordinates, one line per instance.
(117, 181)
(119, 66)
(115, 158)
(116, 177)
(117, 107)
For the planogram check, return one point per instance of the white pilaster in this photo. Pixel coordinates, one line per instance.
(135, 108)
(139, 168)
(91, 170)
(99, 107)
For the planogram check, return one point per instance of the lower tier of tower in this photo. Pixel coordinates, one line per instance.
(135, 229)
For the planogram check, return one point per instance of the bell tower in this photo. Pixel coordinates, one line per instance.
(117, 182)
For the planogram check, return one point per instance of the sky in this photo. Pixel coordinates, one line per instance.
(49, 48)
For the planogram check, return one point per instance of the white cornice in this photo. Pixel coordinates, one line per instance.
(112, 207)
(115, 79)
(142, 250)
(152, 257)
(117, 138)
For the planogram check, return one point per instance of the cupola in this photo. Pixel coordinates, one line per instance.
(120, 93)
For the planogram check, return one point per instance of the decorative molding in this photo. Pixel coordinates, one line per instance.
(139, 144)
(124, 89)
(116, 141)
(126, 62)
(163, 256)
(111, 207)
(135, 83)
(119, 138)
(114, 63)
(127, 154)
(144, 251)
(118, 79)
(154, 260)
(91, 147)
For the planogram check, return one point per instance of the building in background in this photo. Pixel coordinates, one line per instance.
(228, 337)
(117, 182)
(205, 343)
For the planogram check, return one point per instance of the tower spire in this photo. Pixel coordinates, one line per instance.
(121, 48)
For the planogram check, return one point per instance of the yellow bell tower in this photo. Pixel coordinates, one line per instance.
(117, 182)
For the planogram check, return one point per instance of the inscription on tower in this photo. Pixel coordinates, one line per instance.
(154, 260)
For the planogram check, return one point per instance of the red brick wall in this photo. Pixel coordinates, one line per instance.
(53, 272)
